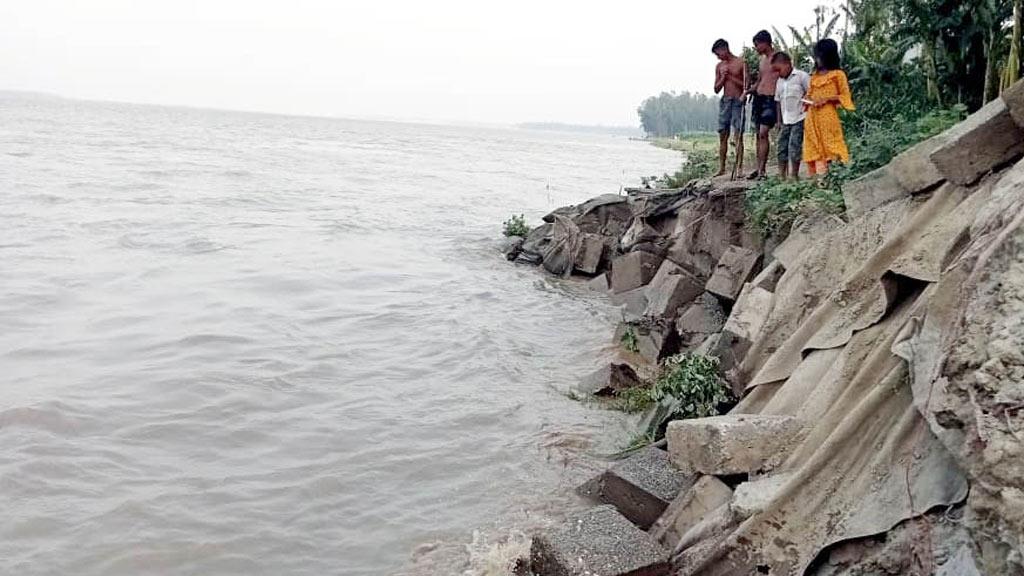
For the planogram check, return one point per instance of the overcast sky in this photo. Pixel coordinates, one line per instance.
(449, 60)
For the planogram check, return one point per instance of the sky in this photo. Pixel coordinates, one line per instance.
(474, 61)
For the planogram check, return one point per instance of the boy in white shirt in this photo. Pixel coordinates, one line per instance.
(790, 93)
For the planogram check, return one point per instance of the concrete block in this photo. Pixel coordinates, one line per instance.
(598, 284)
(690, 508)
(742, 328)
(610, 379)
(590, 255)
(731, 444)
(871, 191)
(702, 318)
(987, 139)
(657, 341)
(913, 168)
(666, 294)
(769, 278)
(633, 303)
(736, 267)
(640, 487)
(598, 541)
(1013, 97)
(755, 496)
(633, 270)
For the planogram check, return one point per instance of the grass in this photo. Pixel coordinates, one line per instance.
(773, 205)
(630, 341)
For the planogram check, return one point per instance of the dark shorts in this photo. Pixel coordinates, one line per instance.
(791, 142)
(730, 115)
(763, 113)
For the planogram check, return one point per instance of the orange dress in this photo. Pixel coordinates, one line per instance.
(823, 132)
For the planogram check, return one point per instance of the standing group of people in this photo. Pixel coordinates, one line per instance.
(806, 105)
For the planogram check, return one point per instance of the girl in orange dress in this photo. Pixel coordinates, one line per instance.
(823, 132)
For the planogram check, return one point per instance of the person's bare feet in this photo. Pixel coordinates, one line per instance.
(720, 173)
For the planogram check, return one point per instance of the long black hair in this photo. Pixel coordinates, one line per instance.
(826, 52)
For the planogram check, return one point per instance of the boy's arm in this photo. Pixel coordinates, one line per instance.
(719, 79)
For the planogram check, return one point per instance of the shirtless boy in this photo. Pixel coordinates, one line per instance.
(763, 110)
(731, 82)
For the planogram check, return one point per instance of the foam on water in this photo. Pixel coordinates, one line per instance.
(252, 344)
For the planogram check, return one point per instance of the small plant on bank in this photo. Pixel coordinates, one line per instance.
(630, 341)
(687, 386)
(516, 226)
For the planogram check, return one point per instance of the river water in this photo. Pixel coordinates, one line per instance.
(253, 344)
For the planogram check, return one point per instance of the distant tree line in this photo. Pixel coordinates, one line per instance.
(669, 114)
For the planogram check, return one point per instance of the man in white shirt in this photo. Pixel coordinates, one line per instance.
(790, 93)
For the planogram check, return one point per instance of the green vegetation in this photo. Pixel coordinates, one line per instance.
(516, 226)
(773, 205)
(629, 340)
(701, 149)
(687, 386)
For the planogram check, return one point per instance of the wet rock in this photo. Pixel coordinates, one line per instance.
(599, 284)
(913, 169)
(702, 318)
(671, 288)
(736, 268)
(755, 496)
(640, 487)
(656, 340)
(512, 246)
(564, 248)
(591, 254)
(690, 508)
(731, 444)
(537, 243)
(987, 139)
(871, 190)
(609, 380)
(633, 270)
(598, 541)
(653, 204)
(607, 215)
(633, 303)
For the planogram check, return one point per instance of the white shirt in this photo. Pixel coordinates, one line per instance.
(789, 92)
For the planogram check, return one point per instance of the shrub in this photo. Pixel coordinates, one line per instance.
(516, 226)
(630, 341)
(687, 386)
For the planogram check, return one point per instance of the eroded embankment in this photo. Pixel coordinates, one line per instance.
(877, 361)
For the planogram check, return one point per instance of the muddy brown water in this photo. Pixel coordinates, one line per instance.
(254, 344)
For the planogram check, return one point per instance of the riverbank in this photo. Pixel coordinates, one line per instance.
(865, 371)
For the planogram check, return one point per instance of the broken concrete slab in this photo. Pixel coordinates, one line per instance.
(755, 496)
(690, 508)
(871, 191)
(913, 168)
(633, 303)
(590, 255)
(512, 246)
(639, 232)
(669, 291)
(731, 444)
(565, 245)
(702, 318)
(608, 380)
(987, 139)
(736, 267)
(741, 329)
(633, 270)
(640, 487)
(598, 541)
(769, 278)
(1013, 97)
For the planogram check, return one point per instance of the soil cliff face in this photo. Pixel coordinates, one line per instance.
(888, 346)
